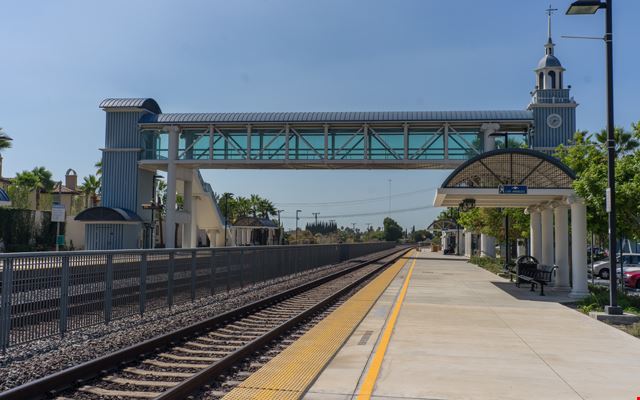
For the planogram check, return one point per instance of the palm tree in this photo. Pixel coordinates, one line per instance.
(5, 140)
(45, 183)
(255, 204)
(98, 165)
(90, 188)
(228, 204)
(243, 207)
(625, 141)
(38, 179)
(266, 208)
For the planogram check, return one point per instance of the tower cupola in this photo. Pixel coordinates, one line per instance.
(549, 71)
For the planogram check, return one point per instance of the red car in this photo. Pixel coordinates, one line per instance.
(632, 279)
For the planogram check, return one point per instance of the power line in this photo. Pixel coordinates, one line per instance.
(359, 201)
(367, 214)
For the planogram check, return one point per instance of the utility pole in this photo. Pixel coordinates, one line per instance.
(389, 197)
(58, 222)
(315, 214)
(297, 218)
(280, 228)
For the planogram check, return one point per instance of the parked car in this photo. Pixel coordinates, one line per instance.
(631, 262)
(632, 279)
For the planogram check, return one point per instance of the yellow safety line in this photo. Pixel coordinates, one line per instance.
(366, 390)
(293, 371)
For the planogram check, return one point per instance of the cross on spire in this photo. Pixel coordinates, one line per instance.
(550, 11)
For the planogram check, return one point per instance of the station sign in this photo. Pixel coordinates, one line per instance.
(512, 189)
(57, 212)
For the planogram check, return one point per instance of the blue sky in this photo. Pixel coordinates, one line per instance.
(59, 59)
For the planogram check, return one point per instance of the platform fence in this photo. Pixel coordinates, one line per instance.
(51, 293)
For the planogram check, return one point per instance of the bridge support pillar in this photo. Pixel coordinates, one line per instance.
(187, 239)
(212, 234)
(172, 178)
(561, 215)
(547, 236)
(578, 248)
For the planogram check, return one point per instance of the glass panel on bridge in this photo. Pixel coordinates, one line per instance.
(386, 143)
(426, 143)
(346, 143)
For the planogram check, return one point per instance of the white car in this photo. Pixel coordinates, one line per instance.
(631, 262)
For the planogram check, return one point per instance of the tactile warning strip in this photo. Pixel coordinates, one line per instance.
(290, 373)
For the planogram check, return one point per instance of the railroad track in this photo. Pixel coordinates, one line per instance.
(175, 365)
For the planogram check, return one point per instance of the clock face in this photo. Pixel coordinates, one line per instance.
(554, 121)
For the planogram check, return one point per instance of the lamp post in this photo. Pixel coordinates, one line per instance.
(297, 218)
(591, 7)
(226, 216)
(280, 228)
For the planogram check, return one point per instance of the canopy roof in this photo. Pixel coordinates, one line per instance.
(443, 225)
(107, 214)
(480, 179)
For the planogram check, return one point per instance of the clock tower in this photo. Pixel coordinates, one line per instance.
(554, 110)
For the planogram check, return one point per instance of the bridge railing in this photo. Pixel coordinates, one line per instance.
(47, 294)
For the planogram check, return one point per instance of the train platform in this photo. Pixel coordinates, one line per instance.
(431, 328)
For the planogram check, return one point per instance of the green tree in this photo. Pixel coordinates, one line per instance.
(392, 230)
(5, 140)
(587, 157)
(90, 187)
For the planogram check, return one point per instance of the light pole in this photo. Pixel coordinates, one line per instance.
(591, 7)
(297, 218)
(280, 227)
(226, 215)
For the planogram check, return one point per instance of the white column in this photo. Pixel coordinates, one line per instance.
(212, 237)
(535, 233)
(170, 238)
(578, 248)
(546, 222)
(561, 215)
(468, 240)
(187, 203)
(194, 221)
(489, 141)
(487, 245)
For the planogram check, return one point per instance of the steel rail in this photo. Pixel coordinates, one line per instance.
(189, 386)
(55, 383)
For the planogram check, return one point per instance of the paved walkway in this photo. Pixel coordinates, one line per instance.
(464, 333)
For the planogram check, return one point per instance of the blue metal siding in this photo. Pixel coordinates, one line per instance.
(111, 236)
(120, 180)
(122, 130)
(544, 136)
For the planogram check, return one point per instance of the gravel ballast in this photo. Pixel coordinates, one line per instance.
(25, 363)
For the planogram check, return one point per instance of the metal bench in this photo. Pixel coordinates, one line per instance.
(528, 270)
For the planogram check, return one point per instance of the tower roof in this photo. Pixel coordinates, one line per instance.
(549, 60)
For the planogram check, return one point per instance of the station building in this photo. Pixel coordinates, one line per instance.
(140, 140)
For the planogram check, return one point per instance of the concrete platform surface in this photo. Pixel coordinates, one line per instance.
(465, 333)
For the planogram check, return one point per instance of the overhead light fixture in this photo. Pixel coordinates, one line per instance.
(585, 7)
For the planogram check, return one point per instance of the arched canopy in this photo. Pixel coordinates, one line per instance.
(539, 178)
(531, 168)
(443, 225)
(107, 214)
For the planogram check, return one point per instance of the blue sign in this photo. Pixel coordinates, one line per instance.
(512, 189)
